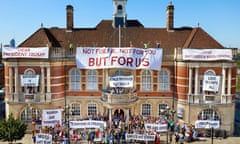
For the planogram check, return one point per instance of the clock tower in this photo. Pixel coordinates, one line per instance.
(119, 14)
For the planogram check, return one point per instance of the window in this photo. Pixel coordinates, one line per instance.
(146, 80)
(75, 80)
(209, 89)
(163, 110)
(119, 73)
(29, 114)
(76, 109)
(92, 83)
(146, 109)
(164, 80)
(208, 114)
(92, 109)
(30, 82)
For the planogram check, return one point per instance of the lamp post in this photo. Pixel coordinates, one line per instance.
(66, 108)
(66, 117)
(166, 116)
(212, 134)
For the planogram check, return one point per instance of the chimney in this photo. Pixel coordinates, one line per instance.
(69, 11)
(170, 17)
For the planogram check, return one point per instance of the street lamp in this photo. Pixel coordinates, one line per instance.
(165, 111)
(66, 107)
(66, 123)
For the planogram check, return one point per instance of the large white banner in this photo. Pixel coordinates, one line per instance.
(211, 83)
(140, 137)
(207, 124)
(43, 138)
(121, 81)
(51, 117)
(25, 52)
(129, 58)
(207, 54)
(30, 80)
(87, 124)
(156, 127)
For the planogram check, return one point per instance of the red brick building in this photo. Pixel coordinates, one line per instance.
(176, 90)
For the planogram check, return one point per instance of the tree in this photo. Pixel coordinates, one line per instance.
(12, 129)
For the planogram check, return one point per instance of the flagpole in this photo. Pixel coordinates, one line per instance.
(119, 36)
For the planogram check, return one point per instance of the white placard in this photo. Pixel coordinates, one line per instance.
(51, 117)
(121, 81)
(156, 127)
(43, 138)
(211, 83)
(207, 54)
(207, 124)
(25, 52)
(30, 80)
(87, 124)
(140, 137)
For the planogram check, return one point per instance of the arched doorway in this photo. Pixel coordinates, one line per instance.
(119, 113)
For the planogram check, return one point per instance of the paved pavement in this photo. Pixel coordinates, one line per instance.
(229, 140)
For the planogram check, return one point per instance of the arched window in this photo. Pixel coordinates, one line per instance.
(164, 80)
(209, 89)
(209, 72)
(146, 80)
(30, 82)
(92, 82)
(146, 109)
(119, 73)
(75, 80)
(30, 114)
(208, 114)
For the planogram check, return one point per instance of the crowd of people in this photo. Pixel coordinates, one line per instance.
(118, 127)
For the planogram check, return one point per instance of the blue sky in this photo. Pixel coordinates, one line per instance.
(219, 18)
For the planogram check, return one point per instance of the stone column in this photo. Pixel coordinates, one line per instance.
(48, 97)
(223, 83)
(42, 85)
(229, 81)
(190, 81)
(229, 98)
(16, 84)
(110, 115)
(196, 81)
(11, 84)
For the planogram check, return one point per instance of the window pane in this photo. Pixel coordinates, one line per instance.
(92, 109)
(75, 109)
(146, 80)
(92, 82)
(208, 114)
(163, 80)
(146, 109)
(29, 114)
(75, 79)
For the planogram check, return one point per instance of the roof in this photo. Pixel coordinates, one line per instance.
(104, 35)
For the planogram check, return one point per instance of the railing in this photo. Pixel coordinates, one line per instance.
(119, 98)
(208, 99)
(29, 98)
(58, 52)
